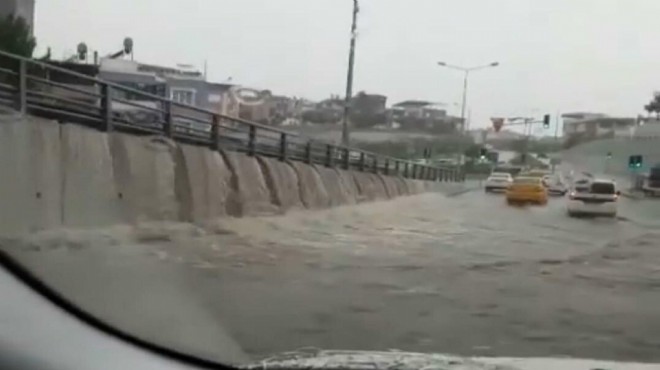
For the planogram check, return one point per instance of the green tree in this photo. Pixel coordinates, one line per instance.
(15, 36)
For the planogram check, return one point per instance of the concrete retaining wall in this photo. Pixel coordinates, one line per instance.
(312, 190)
(31, 182)
(145, 177)
(282, 180)
(338, 194)
(380, 190)
(390, 186)
(65, 175)
(249, 195)
(348, 181)
(205, 183)
(89, 195)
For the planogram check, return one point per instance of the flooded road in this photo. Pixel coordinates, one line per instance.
(465, 275)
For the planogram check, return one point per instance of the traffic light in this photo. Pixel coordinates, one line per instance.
(482, 153)
(609, 155)
(546, 121)
(635, 161)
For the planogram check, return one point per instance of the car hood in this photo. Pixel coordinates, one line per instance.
(396, 360)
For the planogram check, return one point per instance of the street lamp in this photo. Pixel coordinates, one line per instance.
(466, 71)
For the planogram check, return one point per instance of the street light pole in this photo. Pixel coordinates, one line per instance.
(349, 78)
(466, 73)
(464, 102)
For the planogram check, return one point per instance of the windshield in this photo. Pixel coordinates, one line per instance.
(238, 179)
(602, 188)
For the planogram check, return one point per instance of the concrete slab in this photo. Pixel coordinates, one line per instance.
(334, 184)
(90, 197)
(31, 185)
(203, 183)
(249, 195)
(312, 190)
(145, 176)
(282, 180)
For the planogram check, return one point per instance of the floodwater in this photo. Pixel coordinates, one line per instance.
(465, 275)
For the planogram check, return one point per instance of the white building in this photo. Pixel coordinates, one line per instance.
(580, 126)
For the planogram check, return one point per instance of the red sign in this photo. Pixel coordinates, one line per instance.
(497, 123)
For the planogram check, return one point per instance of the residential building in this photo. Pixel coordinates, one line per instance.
(580, 127)
(368, 104)
(19, 8)
(424, 115)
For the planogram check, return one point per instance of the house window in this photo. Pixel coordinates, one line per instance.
(184, 96)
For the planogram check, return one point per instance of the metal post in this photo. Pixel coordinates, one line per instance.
(414, 171)
(106, 107)
(252, 138)
(405, 170)
(375, 165)
(387, 166)
(465, 87)
(396, 167)
(349, 78)
(283, 147)
(215, 132)
(169, 119)
(362, 160)
(328, 155)
(347, 158)
(308, 152)
(21, 98)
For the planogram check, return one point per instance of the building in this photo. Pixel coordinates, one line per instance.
(364, 104)
(581, 127)
(424, 115)
(19, 8)
(418, 109)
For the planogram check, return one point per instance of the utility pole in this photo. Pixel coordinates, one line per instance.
(345, 139)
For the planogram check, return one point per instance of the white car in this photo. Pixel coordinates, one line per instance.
(498, 181)
(555, 184)
(600, 198)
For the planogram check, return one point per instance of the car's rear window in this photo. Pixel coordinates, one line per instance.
(602, 188)
(526, 181)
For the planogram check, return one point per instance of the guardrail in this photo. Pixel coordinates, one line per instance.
(49, 91)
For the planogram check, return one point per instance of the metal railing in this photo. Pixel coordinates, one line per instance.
(48, 91)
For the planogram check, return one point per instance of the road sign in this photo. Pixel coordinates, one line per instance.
(635, 162)
(497, 123)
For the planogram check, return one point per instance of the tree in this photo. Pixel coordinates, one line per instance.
(15, 36)
(654, 105)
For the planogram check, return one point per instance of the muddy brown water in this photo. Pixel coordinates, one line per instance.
(465, 275)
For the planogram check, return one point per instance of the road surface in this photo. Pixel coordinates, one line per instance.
(466, 275)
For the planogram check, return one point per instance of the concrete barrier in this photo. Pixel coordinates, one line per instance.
(282, 181)
(249, 195)
(338, 193)
(145, 176)
(203, 184)
(31, 185)
(312, 190)
(401, 186)
(414, 186)
(365, 185)
(348, 181)
(90, 197)
(390, 186)
(379, 186)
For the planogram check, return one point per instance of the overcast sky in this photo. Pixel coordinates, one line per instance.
(555, 55)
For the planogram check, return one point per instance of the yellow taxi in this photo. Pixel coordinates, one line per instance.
(527, 189)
